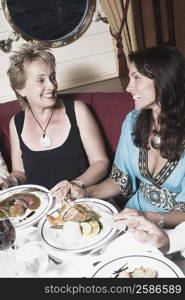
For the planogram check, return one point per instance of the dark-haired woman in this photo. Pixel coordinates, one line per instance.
(149, 166)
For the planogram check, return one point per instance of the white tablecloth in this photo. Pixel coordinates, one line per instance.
(78, 265)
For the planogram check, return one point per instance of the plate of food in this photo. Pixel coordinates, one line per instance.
(77, 226)
(138, 266)
(25, 204)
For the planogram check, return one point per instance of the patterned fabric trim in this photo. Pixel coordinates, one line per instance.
(121, 179)
(163, 174)
(161, 197)
(143, 163)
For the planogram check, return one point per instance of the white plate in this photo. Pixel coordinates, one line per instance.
(53, 237)
(46, 200)
(164, 267)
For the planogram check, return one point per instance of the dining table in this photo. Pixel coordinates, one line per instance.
(93, 262)
(63, 264)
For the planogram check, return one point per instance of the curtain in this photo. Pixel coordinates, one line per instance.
(123, 31)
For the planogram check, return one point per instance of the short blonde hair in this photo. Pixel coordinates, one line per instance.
(27, 54)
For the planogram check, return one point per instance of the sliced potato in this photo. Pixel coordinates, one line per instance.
(95, 228)
(144, 273)
(124, 274)
(86, 227)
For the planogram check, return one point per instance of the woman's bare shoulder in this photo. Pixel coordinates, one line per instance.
(80, 106)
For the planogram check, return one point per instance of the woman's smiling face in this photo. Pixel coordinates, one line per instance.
(40, 86)
(142, 89)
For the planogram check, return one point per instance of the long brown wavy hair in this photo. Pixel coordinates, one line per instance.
(166, 66)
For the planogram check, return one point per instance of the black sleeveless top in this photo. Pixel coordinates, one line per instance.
(48, 167)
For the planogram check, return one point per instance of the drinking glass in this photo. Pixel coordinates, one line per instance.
(32, 259)
(7, 240)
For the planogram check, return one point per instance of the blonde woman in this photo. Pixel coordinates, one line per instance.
(3, 171)
(55, 143)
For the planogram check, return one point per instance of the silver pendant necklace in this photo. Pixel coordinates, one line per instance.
(156, 139)
(45, 140)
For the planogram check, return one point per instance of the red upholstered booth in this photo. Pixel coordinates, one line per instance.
(109, 109)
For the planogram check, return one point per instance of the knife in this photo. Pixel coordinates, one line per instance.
(108, 221)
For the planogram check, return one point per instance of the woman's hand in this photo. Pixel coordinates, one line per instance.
(8, 181)
(68, 190)
(148, 232)
(143, 230)
(77, 191)
(127, 213)
(128, 217)
(61, 190)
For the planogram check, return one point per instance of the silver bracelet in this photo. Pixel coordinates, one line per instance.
(78, 182)
(161, 221)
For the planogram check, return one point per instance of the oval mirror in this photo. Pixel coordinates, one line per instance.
(53, 22)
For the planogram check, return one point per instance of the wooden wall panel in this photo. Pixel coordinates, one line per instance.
(160, 21)
(179, 18)
(148, 22)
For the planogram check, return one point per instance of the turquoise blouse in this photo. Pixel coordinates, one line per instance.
(161, 193)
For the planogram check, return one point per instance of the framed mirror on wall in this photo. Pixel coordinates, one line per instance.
(52, 22)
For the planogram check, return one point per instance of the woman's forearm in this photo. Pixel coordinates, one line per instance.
(96, 172)
(171, 219)
(104, 190)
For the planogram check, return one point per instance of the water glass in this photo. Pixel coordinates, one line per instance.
(7, 243)
(32, 259)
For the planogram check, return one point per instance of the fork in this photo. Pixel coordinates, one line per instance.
(56, 260)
